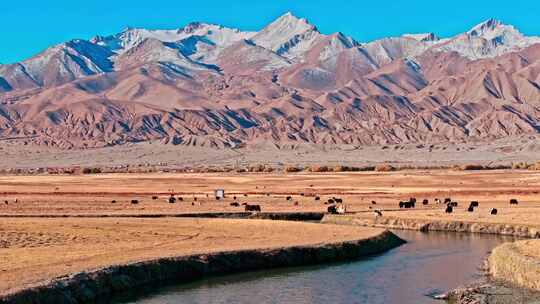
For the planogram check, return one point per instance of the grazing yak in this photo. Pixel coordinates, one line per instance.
(425, 202)
(378, 212)
(338, 200)
(254, 208)
(172, 200)
(408, 204)
(330, 201)
(337, 209)
(235, 204)
(317, 198)
(113, 202)
(514, 202)
(473, 205)
(373, 202)
(437, 201)
(494, 211)
(154, 197)
(288, 198)
(449, 209)
(134, 202)
(447, 200)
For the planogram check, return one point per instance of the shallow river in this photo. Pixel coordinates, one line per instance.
(428, 264)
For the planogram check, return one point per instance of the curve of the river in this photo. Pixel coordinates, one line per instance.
(430, 263)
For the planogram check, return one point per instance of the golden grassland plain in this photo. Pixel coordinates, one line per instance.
(94, 194)
(42, 249)
(45, 248)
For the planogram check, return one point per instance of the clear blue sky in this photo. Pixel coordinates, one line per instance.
(29, 26)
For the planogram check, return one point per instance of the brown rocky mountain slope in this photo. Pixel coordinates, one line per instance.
(205, 85)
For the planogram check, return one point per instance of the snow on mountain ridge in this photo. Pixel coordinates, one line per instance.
(288, 36)
(488, 39)
(130, 37)
(293, 40)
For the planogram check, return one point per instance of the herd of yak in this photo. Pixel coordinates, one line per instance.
(336, 205)
(450, 205)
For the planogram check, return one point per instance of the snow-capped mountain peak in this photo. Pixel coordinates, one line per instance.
(488, 39)
(288, 36)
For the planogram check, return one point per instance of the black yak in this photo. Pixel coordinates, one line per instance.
(254, 208)
(494, 211)
(514, 201)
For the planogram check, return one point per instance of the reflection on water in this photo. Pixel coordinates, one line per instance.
(429, 263)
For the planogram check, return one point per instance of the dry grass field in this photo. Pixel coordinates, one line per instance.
(93, 194)
(529, 248)
(43, 249)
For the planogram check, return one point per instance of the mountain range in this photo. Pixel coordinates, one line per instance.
(209, 85)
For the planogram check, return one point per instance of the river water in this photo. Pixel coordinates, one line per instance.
(430, 263)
